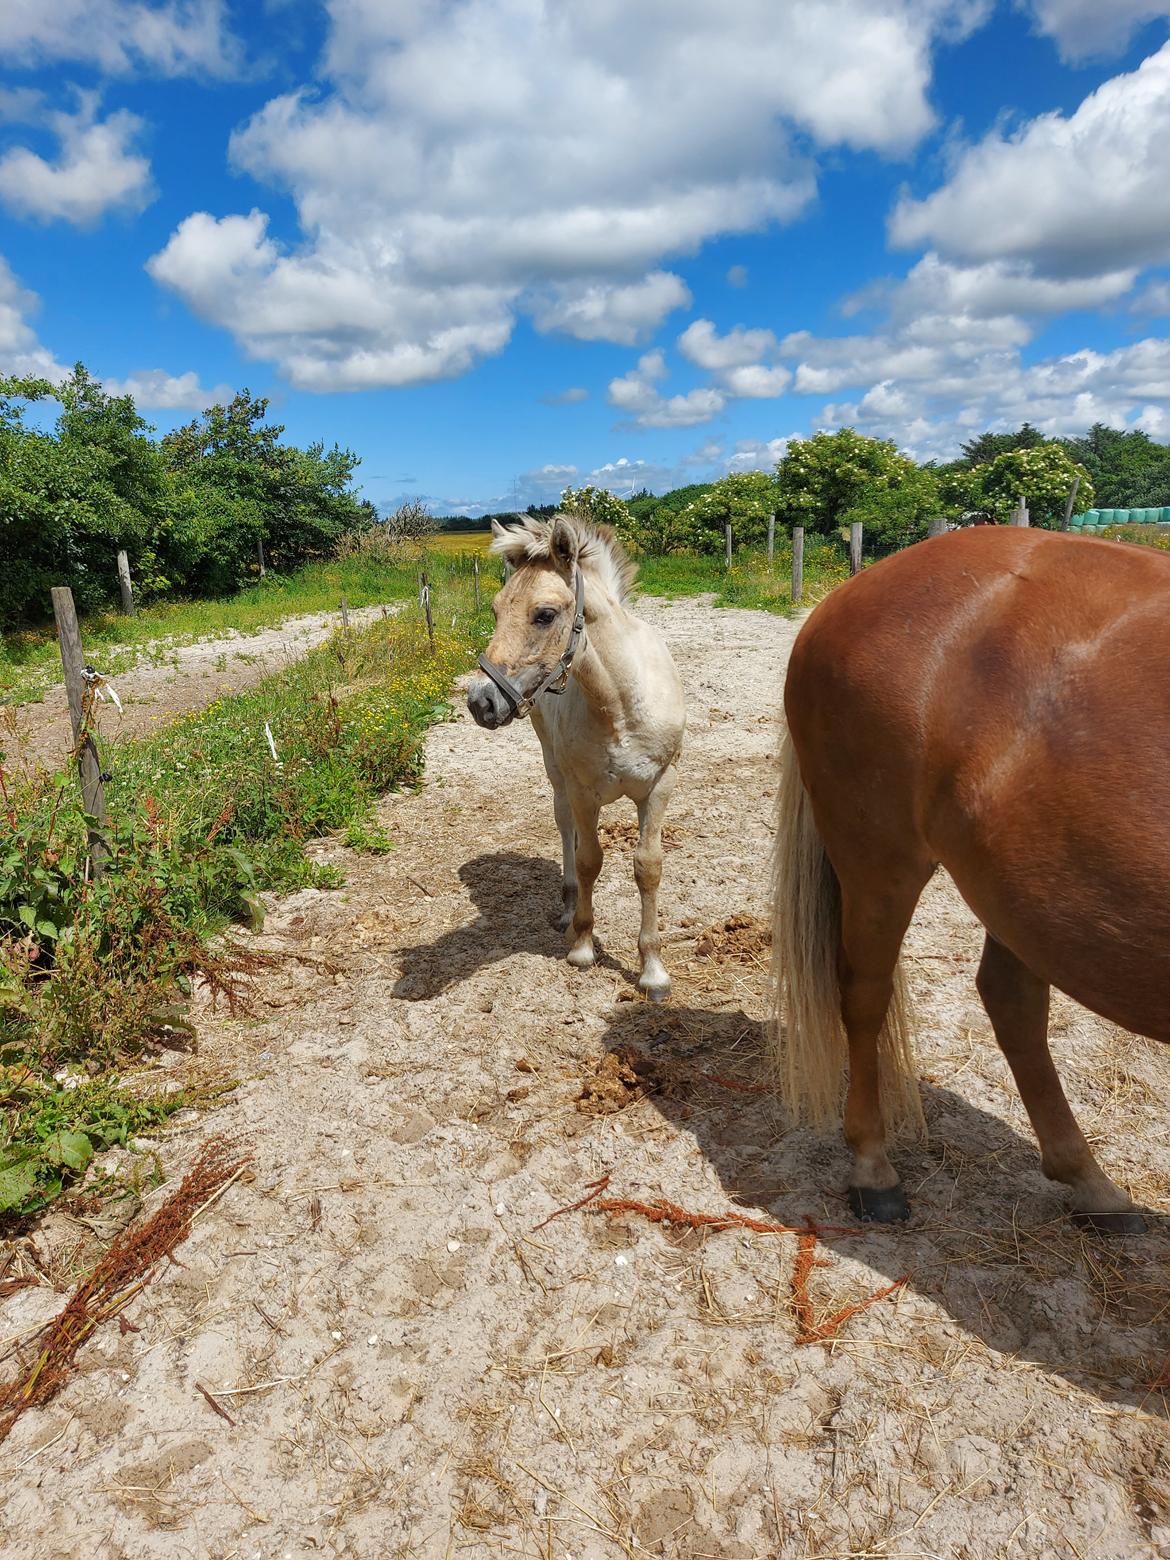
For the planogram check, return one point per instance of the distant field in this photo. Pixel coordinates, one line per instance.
(458, 541)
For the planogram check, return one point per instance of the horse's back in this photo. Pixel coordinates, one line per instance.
(996, 699)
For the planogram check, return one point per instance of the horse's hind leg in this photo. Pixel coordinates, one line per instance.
(654, 980)
(1017, 1004)
(873, 924)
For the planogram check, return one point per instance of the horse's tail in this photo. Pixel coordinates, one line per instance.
(807, 1034)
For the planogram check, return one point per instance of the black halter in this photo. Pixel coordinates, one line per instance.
(558, 679)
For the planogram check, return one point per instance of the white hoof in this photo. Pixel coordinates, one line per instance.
(654, 982)
(582, 956)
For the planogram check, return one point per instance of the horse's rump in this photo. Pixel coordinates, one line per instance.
(998, 700)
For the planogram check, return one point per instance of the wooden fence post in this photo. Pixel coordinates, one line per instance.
(797, 563)
(475, 579)
(855, 547)
(424, 596)
(727, 545)
(260, 548)
(73, 662)
(1068, 508)
(771, 537)
(125, 585)
(936, 527)
(1021, 517)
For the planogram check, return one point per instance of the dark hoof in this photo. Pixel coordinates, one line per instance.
(879, 1205)
(1130, 1222)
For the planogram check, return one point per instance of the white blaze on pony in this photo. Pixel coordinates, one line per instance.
(605, 700)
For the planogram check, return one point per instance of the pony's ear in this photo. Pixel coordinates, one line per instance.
(566, 543)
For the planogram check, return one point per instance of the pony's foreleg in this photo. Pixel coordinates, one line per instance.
(588, 864)
(1017, 1004)
(564, 816)
(654, 980)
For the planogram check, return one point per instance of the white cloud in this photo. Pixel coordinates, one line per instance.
(21, 353)
(737, 276)
(752, 455)
(702, 345)
(178, 37)
(600, 311)
(96, 170)
(990, 290)
(1083, 28)
(1070, 196)
(637, 394)
(755, 381)
(154, 389)
(457, 164)
(571, 397)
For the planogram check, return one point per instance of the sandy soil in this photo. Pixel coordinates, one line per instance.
(415, 1367)
(188, 678)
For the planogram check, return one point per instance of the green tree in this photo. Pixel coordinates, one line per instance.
(984, 449)
(1129, 470)
(601, 507)
(895, 516)
(823, 478)
(1042, 476)
(744, 499)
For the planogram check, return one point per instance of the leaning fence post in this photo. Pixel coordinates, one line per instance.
(260, 548)
(475, 580)
(73, 663)
(797, 563)
(1068, 508)
(727, 544)
(424, 596)
(771, 537)
(125, 584)
(855, 547)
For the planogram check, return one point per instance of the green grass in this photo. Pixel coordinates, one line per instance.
(749, 582)
(30, 661)
(202, 818)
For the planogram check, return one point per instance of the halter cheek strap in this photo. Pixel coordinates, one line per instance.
(558, 679)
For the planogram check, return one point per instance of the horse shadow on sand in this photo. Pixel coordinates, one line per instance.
(988, 1241)
(519, 901)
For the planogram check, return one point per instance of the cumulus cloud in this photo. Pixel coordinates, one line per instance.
(637, 394)
(601, 311)
(95, 172)
(1083, 28)
(457, 165)
(178, 37)
(154, 389)
(990, 290)
(735, 359)
(1067, 195)
(21, 353)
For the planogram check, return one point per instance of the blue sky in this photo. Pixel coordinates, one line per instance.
(499, 246)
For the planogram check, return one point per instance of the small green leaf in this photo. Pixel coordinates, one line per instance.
(71, 1149)
(17, 1182)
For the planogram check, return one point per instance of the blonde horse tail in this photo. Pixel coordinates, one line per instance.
(808, 1041)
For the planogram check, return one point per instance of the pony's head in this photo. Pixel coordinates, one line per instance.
(536, 609)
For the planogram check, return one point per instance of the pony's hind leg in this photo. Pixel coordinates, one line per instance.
(1017, 1004)
(872, 928)
(654, 980)
(588, 864)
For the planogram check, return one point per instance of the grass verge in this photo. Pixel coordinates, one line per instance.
(204, 816)
(749, 582)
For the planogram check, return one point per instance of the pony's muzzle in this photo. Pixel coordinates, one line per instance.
(487, 705)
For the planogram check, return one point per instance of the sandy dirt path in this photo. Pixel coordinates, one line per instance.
(416, 1367)
(185, 677)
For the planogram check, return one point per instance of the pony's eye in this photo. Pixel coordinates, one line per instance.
(544, 617)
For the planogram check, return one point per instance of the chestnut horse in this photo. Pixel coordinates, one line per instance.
(997, 701)
(563, 627)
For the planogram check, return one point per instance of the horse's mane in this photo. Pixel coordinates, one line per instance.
(597, 547)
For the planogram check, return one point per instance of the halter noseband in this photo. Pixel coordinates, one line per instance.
(558, 679)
